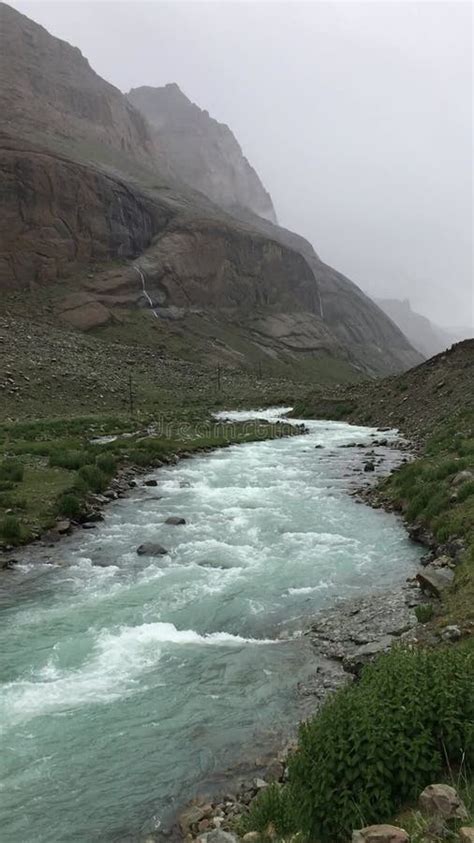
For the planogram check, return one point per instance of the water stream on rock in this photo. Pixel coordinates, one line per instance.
(127, 680)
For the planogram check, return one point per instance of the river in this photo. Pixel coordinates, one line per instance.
(126, 680)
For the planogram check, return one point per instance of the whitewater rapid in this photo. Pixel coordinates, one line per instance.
(127, 681)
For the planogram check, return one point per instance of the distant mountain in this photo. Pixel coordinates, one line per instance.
(119, 217)
(424, 335)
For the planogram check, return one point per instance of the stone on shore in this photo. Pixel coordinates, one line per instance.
(442, 800)
(193, 815)
(466, 834)
(435, 582)
(63, 527)
(218, 836)
(151, 549)
(356, 661)
(380, 834)
(462, 477)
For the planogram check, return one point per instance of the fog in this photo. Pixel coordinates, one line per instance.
(357, 116)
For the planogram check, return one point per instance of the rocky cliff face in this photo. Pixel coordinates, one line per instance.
(203, 153)
(86, 182)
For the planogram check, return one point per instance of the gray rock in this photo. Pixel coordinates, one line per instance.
(218, 836)
(442, 800)
(151, 549)
(175, 520)
(150, 482)
(435, 581)
(63, 527)
(380, 834)
(355, 662)
(451, 633)
(462, 477)
(369, 466)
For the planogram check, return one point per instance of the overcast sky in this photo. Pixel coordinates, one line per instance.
(357, 116)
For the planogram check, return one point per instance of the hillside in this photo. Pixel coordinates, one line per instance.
(417, 401)
(96, 220)
(425, 336)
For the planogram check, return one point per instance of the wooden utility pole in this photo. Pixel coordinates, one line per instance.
(130, 393)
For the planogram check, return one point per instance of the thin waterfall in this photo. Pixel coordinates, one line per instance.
(145, 292)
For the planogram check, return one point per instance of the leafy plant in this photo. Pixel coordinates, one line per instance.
(375, 745)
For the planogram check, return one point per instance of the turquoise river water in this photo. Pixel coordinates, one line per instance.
(126, 681)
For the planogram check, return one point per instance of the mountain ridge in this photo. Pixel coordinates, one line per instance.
(79, 204)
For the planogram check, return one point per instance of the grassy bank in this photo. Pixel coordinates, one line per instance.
(50, 468)
(436, 491)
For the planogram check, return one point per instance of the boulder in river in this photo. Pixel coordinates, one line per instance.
(369, 466)
(151, 549)
(150, 482)
(175, 520)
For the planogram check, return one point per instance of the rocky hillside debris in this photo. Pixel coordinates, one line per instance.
(380, 834)
(443, 801)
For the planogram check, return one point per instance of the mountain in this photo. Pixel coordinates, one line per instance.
(424, 335)
(204, 153)
(98, 219)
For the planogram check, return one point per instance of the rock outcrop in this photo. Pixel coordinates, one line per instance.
(87, 184)
(204, 153)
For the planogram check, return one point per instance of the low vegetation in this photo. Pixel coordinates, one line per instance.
(374, 746)
(50, 467)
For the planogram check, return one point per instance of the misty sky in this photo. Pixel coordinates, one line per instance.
(357, 116)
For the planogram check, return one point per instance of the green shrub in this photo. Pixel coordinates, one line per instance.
(375, 745)
(107, 464)
(93, 477)
(10, 529)
(11, 470)
(6, 486)
(424, 612)
(71, 460)
(70, 505)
